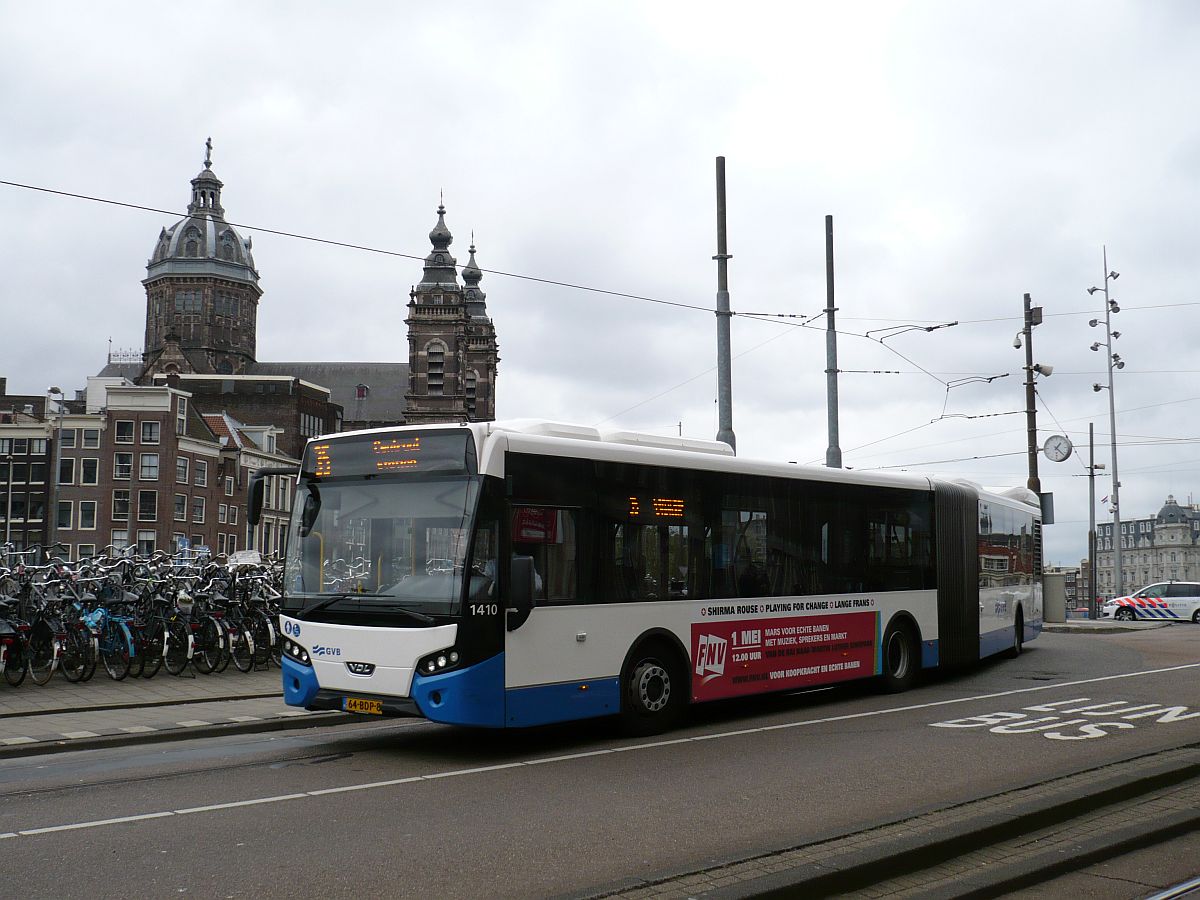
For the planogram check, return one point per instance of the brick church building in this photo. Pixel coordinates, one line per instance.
(202, 301)
(158, 451)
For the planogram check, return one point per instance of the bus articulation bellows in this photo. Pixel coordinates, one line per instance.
(523, 573)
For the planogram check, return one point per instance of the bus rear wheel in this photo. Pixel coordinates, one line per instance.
(1018, 636)
(653, 691)
(900, 663)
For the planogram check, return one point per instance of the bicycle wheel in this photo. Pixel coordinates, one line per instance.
(277, 647)
(152, 648)
(264, 637)
(209, 645)
(137, 649)
(115, 646)
(226, 646)
(15, 663)
(77, 647)
(43, 652)
(178, 651)
(93, 652)
(241, 647)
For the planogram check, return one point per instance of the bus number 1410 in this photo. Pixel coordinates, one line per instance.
(485, 609)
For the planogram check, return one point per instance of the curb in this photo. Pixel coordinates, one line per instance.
(914, 852)
(1096, 626)
(111, 707)
(165, 735)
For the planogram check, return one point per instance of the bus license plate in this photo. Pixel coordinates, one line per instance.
(361, 705)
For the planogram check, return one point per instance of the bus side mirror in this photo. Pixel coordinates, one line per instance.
(258, 485)
(520, 591)
(258, 490)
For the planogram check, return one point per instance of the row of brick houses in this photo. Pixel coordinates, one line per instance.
(136, 466)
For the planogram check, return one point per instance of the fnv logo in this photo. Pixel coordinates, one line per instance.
(710, 656)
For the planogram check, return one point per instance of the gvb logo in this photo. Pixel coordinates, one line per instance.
(710, 657)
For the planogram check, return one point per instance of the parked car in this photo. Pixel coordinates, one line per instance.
(1170, 600)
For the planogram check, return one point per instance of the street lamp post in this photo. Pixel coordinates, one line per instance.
(52, 511)
(8, 503)
(1093, 466)
(1033, 316)
(1114, 361)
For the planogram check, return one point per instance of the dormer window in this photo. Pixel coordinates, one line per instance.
(361, 391)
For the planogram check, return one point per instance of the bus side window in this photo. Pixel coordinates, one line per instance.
(549, 535)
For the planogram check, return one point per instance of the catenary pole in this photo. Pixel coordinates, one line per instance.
(724, 359)
(833, 454)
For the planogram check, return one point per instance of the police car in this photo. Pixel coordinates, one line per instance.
(1176, 601)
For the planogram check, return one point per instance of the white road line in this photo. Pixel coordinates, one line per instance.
(366, 787)
(76, 735)
(193, 723)
(12, 741)
(136, 729)
(236, 803)
(650, 745)
(96, 824)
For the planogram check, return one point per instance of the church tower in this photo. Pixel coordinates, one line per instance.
(201, 290)
(452, 350)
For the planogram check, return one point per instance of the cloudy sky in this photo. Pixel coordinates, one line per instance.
(969, 152)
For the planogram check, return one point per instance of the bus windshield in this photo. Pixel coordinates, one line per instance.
(379, 548)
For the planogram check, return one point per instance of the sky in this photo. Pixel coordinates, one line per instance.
(968, 152)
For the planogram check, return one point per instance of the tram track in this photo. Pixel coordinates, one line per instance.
(983, 848)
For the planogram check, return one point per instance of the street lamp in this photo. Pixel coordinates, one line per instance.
(1114, 361)
(52, 511)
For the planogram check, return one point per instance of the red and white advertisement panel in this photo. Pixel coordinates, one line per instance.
(749, 656)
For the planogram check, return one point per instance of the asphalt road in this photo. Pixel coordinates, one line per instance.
(406, 808)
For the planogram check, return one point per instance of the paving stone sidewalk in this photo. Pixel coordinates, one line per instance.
(64, 716)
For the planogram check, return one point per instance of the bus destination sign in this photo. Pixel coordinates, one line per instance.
(430, 452)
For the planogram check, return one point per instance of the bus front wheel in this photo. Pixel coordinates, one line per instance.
(653, 691)
(900, 660)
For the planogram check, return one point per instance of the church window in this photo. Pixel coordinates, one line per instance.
(226, 304)
(436, 354)
(472, 381)
(191, 242)
(188, 302)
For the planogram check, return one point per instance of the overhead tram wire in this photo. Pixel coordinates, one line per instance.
(363, 247)
(550, 281)
(754, 316)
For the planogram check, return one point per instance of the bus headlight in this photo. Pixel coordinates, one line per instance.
(438, 662)
(296, 653)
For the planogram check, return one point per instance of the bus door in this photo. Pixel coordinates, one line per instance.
(556, 651)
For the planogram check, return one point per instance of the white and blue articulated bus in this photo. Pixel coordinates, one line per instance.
(522, 573)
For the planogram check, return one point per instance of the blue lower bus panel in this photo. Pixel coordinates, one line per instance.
(299, 683)
(548, 703)
(470, 696)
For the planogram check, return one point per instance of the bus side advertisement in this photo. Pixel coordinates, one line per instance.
(736, 657)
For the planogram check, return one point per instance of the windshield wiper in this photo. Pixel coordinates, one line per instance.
(331, 599)
(324, 602)
(419, 616)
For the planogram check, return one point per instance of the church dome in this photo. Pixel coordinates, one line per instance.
(203, 240)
